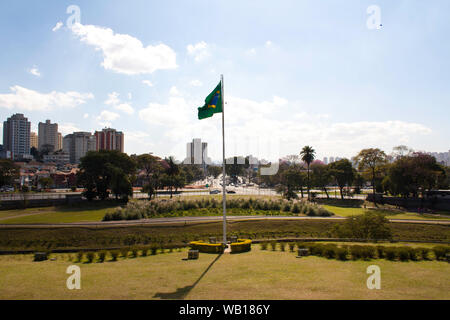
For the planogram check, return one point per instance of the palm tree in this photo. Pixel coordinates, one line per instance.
(308, 155)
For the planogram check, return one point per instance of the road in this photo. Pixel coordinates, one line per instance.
(186, 220)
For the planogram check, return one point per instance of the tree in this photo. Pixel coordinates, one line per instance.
(308, 156)
(291, 182)
(369, 162)
(214, 171)
(173, 178)
(234, 167)
(343, 173)
(45, 182)
(321, 176)
(152, 169)
(401, 151)
(370, 226)
(104, 171)
(414, 174)
(9, 172)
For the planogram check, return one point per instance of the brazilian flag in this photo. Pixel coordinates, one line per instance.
(213, 103)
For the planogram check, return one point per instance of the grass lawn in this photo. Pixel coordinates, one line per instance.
(351, 211)
(252, 275)
(66, 214)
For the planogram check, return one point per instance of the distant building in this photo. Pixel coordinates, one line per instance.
(109, 139)
(48, 135)
(34, 140)
(441, 157)
(58, 157)
(331, 159)
(60, 141)
(4, 154)
(16, 136)
(325, 160)
(197, 152)
(77, 144)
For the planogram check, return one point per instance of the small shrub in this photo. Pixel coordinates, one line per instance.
(329, 252)
(102, 256)
(273, 245)
(283, 246)
(291, 246)
(381, 252)
(341, 253)
(440, 252)
(424, 253)
(263, 245)
(90, 256)
(114, 255)
(390, 253)
(403, 253)
(80, 256)
(153, 250)
(295, 208)
(124, 252)
(144, 251)
(134, 252)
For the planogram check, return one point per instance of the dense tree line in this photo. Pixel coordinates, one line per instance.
(405, 173)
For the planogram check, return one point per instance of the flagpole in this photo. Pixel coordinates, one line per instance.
(224, 196)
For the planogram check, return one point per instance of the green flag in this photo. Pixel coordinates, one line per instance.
(213, 103)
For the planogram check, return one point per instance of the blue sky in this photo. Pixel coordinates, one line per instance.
(296, 73)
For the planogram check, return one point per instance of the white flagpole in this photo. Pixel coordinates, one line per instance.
(224, 196)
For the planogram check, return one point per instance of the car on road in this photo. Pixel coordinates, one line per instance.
(231, 191)
(6, 189)
(214, 192)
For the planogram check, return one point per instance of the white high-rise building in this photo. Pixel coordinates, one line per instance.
(78, 144)
(48, 135)
(197, 152)
(16, 136)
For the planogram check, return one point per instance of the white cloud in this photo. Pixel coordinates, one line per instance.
(196, 83)
(253, 127)
(174, 91)
(106, 117)
(86, 115)
(27, 99)
(68, 128)
(147, 83)
(113, 100)
(138, 141)
(58, 26)
(125, 107)
(130, 96)
(125, 54)
(251, 52)
(269, 44)
(35, 71)
(199, 51)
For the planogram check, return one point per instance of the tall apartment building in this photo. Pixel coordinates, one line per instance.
(109, 139)
(60, 141)
(197, 152)
(34, 140)
(48, 135)
(78, 144)
(16, 136)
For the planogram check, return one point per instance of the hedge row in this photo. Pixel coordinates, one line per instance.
(133, 252)
(136, 210)
(364, 252)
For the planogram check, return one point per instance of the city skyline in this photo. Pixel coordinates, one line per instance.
(367, 94)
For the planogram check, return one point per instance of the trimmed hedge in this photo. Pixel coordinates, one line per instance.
(243, 245)
(204, 247)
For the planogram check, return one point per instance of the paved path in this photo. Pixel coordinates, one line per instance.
(185, 220)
